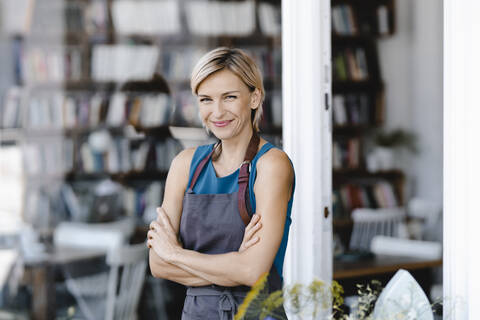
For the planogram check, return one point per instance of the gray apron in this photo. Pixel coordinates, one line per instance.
(214, 224)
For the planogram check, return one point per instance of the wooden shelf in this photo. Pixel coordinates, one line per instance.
(8, 135)
(133, 175)
(357, 86)
(363, 173)
(271, 130)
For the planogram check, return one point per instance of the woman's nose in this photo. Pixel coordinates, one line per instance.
(218, 109)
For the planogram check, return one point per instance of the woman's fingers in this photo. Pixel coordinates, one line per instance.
(252, 222)
(251, 242)
(253, 229)
(163, 219)
(250, 230)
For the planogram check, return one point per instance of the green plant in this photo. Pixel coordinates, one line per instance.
(396, 139)
(308, 301)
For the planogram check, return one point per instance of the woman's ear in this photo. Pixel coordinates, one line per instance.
(255, 99)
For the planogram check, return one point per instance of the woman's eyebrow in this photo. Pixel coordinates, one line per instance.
(230, 92)
(223, 94)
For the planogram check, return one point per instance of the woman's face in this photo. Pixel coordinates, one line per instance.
(225, 104)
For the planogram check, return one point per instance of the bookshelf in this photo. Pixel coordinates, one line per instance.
(95, 89)
(359, 108)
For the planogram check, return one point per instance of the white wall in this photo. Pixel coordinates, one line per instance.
(411, 63)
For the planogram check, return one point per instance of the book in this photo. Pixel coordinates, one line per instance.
(215, 18)
(269, 17)
(123, 62)
(146, 17)
(10, 109)
(16, 16)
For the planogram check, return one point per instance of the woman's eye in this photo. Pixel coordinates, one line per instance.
(230, 97)
(204, 100)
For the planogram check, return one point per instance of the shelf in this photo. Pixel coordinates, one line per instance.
(191, 39)
(352, 129)
(271, 130)
(360, 39)
(342, 223)
(362, 173)
(8, 135)
(351, 86)
(133, 175)
(69, 85)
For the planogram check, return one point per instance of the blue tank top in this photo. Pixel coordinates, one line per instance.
(209, 183)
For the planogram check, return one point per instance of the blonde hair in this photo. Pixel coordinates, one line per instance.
(238, 62)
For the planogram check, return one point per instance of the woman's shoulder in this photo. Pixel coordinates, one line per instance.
(185, 157)
(274, 160)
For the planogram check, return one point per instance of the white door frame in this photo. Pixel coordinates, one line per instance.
(306, 129)
(461, 256)
(307, 136)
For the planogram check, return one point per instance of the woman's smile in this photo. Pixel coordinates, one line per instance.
(221, 124)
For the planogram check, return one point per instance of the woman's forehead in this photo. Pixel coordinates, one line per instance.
(221, 82)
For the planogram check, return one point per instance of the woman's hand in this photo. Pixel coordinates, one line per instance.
(162, 237)
(249, 238)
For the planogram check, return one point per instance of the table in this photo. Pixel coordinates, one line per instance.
(382, 268)
(40, 273)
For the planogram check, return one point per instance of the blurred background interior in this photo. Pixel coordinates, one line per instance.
(95, 102)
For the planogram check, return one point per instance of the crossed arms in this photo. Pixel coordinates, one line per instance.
(273, 187)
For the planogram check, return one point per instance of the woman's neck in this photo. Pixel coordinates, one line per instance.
(233, 150)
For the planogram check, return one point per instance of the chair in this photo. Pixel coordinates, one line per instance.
(113, 294)
(110, 291)
(368, 223)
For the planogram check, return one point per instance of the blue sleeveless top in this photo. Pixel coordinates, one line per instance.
(209, 183)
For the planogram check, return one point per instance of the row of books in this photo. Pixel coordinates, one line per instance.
(147, 110)
(50, 65)
(142, 17)
(11, 182)
(346, 154)
(123, 62)
(51, 157)
(146, 17)
(122, 155)
(352, 109)
(138, 200)
(10, 109)
(350, 64)
(343, 20)
(216, 18)
(375, 195)
(203, 17)
(347, 22)
(58, 110)
(178, 62)
(93, 201)
(141, 202)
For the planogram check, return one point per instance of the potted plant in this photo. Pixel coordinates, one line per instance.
(386, 143)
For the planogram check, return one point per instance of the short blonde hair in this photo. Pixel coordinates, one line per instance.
(241, 64)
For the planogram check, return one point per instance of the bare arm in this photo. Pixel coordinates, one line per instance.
(172, 206)
(175, 187)
(272, 192)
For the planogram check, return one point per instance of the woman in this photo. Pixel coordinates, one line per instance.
(203, 236)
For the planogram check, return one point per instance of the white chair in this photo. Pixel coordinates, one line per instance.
(113, 294)
(111, 291)
(368, 223)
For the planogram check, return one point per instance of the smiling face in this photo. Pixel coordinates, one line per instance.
(225, 103)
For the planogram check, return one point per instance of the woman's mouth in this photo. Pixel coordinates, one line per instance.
(222, 123)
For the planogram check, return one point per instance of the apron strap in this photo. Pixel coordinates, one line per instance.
(200, 167)
(244, 176)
